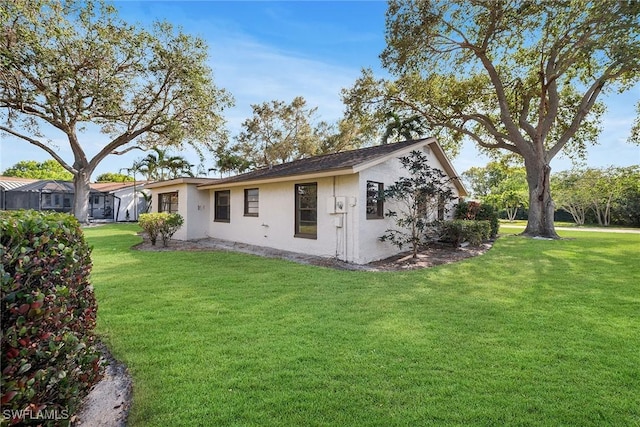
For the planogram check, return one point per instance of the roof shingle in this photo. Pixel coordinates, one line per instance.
(327, 162)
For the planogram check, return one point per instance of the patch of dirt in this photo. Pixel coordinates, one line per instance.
(428, 256)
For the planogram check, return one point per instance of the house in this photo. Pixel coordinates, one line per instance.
(125, 199)
(107, 201)
(323, 205)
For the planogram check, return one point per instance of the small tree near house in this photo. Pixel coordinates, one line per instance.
(420, 200)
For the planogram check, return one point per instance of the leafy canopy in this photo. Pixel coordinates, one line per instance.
(68, 65)
(114, 177)
(518, 76)
(49, 169)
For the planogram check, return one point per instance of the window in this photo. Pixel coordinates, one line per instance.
(307, 210)
(375, 202)
(168, 202)
(442, 206)
(223, 206)
(251, 199)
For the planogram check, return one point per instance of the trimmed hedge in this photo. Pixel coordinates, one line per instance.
(161, 224)
(480, 212)
(459, 231)
(49, 357)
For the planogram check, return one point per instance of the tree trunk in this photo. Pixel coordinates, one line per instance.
(541, 206)
(81, 197)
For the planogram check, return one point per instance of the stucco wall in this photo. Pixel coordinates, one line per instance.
(127, 198)
(369, 230)
(194, 207)
(346, 235)
(275, 224)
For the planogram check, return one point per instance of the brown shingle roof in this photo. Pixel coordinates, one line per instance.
(324, 163)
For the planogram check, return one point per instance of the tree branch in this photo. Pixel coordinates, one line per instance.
(40, 145)
(126, 150)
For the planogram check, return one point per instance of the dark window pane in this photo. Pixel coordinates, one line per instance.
(306, 219)
(223, 206)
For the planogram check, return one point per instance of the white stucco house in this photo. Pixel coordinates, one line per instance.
(324, 205)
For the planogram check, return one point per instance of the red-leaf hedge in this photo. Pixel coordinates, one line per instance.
(49, 357)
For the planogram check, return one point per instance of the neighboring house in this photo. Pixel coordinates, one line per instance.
(124, 200)
(11, 183)
(107, 201)
(324, 205)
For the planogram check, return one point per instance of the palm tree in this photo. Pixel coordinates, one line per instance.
(177, 166)
(159, 166)
(397, 128)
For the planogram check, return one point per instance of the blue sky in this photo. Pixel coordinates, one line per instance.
(263, 50)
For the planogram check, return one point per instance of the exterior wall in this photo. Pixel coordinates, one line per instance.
(128, 199)
(369, 230)
(275, 224)
(346, 234)
(193, 205)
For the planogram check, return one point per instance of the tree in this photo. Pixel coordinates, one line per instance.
(178, 166)
(278, 133)
(49, 169)
(635, 130)
(501, 184)
(72, 65)
(626, 206)
(418, 201)
(520, 77)
(509, 197)
(613, 194)
(399, 129)
(227, 161)
(572, 194)
(114, 177)
(159, 166)
(342, 136)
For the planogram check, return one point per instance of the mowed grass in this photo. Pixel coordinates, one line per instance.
(534, 332)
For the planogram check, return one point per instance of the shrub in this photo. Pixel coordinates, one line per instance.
(467, 210)
(452, 232)
(163, 224)
(49, 357)
(459, 231)
(171, 224)
(488, 212)
(150, 224)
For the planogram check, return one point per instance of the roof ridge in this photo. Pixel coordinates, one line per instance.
(324, 162)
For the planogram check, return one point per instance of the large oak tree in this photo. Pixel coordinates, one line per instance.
(516, 76)
(70, 65)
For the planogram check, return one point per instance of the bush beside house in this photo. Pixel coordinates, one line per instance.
(161, 224)
(49, 357)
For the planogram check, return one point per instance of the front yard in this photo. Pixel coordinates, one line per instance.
(533, 332)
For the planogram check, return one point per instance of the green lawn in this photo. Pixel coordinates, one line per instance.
(534, 332)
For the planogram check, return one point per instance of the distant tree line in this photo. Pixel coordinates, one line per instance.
(603, 196)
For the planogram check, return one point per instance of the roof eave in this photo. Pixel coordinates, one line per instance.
(449, 169)
(397, 153)
(285, 178)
